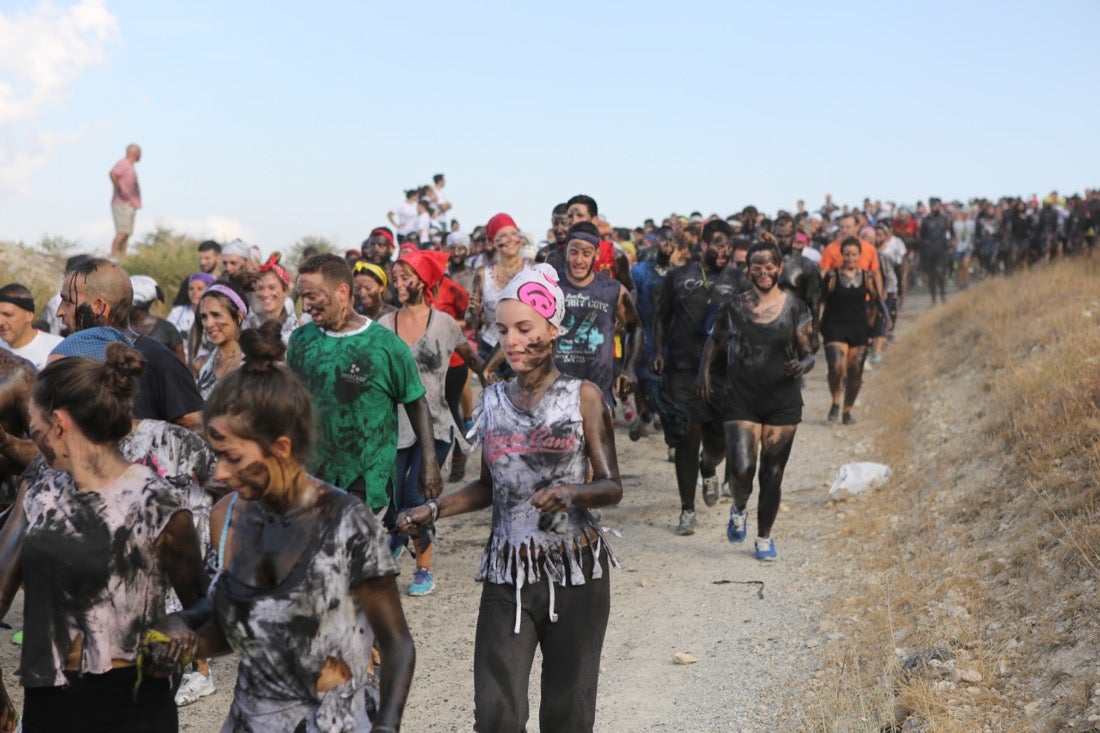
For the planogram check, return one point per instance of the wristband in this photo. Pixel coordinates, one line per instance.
(433, 506)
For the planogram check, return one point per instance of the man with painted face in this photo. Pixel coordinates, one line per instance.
(98, 293)
(798, 275)
(358, 373)
(688, 303)
(458, 244)
(596, 308)
(936, 248)
(765, 336)
(610, 261)
(377, 249)
(554, 252)
(649, 278)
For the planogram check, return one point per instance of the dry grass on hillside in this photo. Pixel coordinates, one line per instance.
(971, 599)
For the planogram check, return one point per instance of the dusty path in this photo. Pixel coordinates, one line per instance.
(673, 594)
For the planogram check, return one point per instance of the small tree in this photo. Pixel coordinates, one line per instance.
(56, 245)
(321, 244)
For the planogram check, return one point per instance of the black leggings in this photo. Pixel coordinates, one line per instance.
(101, 703)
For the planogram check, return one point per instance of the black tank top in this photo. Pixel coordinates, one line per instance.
(846, 304)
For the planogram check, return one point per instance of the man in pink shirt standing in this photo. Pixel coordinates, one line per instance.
(126, 199)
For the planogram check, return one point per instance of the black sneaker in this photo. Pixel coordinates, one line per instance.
(848, 419)
(834, 413)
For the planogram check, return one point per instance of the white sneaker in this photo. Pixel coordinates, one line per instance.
(195, 685)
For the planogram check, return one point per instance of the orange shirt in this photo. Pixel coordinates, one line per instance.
(830, 256)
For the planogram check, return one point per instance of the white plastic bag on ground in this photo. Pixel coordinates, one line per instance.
(855, 478)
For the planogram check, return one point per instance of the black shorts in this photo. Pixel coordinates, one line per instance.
(853, 334)
(790, 415)
(682, 390)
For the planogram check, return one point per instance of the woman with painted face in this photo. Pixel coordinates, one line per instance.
(767, 335)
(432, 336)
(370, 290)
(93, 539)
(270, 299)
(222, 311)
(303, 581)
(503, 237)
(849, 295)
(548, 457)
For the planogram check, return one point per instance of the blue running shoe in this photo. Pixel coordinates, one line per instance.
(735, 530)
(423, 583)
(765, 549)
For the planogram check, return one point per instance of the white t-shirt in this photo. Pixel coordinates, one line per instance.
(440, 214)
(964, 234)
(405, 213)
(38, 350)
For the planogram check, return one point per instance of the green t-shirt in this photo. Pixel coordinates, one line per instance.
(357, 380)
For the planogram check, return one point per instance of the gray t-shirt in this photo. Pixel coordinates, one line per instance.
(286, 634)
(432, 353)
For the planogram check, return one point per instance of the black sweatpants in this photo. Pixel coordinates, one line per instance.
(570, 653)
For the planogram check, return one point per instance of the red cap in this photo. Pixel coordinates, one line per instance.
(497, 223)
(429, 265)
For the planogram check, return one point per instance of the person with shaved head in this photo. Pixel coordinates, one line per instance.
(98, 292)
(126, 199)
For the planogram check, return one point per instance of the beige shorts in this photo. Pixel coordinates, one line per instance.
(124, 218)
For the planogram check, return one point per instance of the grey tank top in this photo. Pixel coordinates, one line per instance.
(527, 452)
(586, 346)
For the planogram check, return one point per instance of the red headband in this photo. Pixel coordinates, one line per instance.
(497, 223)
(384, 232)
(280, 271)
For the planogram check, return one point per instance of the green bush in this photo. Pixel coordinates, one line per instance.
(167, 257)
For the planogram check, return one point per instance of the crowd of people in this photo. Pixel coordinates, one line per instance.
(245, 474)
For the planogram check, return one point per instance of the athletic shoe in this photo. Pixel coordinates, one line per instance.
(876, 358)
(848, 419)
(710, 490)
(834, 413)
(735, 530)
(687, 523)
(423, 582)
(17, 638)
(195, 685)
(765, 549)
(637, 429)
(727, 492)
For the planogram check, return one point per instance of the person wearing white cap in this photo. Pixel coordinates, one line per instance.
(146, 292)
(236, 255)
(546, 563)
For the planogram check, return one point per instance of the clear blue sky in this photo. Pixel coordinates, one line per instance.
(274, 120)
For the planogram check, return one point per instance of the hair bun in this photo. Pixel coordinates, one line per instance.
(121, 368)
(263, 347)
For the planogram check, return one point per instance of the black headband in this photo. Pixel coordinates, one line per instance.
(584, 237)
(26, 304)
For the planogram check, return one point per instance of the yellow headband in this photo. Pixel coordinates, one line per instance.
(373, 269)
